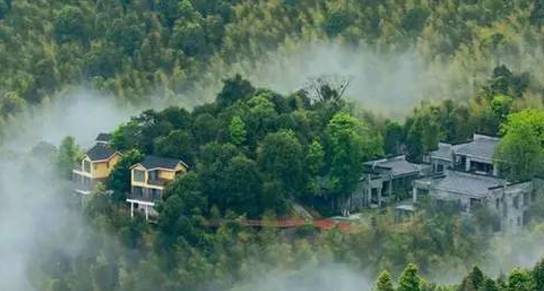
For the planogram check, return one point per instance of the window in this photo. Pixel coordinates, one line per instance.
(516, 202)
(139, 176)
(86, 166)
(497, 203)
(439, 168)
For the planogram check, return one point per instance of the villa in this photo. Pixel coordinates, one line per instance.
(95, 167)
(148, 181)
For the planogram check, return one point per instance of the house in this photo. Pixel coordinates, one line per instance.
(386, 180)
(103, 138)
(148, 180)
(95, 167)
(470, 191)
(476, 156)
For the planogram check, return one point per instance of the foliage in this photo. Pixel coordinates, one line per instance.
(119, 178)
(68, 155)
(384, 282)
(521, 150)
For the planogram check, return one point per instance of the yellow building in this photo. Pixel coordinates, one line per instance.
(95, 167)
(148, 180)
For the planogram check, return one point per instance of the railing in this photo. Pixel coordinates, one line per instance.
(322, 224)
(145, 196)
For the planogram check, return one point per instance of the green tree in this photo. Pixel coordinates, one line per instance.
(409, 280)
(521, 152)
(520, 280)
(70, 24)
(538, 275)
(181, 211)
(281, 157)
(474, 281)
(119, 178)
(178, 144)
(393, 138)
(489, 285)
(68, 155)
(351, 145)
(243, 186)
(234, 89)
(384, 282)
(237, 131)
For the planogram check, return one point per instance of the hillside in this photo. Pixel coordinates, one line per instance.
(272, 145)
(138, 48)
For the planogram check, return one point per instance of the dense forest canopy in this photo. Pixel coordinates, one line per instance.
(138, 48)
(254, 152)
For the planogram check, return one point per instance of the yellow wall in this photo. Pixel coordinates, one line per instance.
(166, 175)
(136, 183)
(163, 174)
(103, 169)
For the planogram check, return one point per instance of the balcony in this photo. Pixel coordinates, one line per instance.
(144, 194)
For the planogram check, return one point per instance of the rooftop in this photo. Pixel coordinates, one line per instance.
(466, 183)
(151, 162)
(481, 146)
(100, 152)
(398, 165)
(103, 137)
(444, 152)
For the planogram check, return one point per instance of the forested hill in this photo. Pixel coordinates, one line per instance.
(136, 47)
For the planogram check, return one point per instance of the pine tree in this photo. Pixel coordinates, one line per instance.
(538, 276)
(384, 282)
(473, 281)
(409, 280)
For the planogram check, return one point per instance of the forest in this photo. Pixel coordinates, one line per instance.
(253, 153)
(256, 153)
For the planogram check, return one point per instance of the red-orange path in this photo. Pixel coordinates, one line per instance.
(322, 224)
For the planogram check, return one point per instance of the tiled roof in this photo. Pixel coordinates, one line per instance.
(103, 137)
(482, 147)
(398, 165)
(100, 152)
(466, 183)
(444, 152)
(151, 162)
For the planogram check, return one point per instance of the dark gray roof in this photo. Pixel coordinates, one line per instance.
(103, 137)
(466, 183)
(100, 152)
(151, 162)
(398, 165)
(482, 147)
(444, 152)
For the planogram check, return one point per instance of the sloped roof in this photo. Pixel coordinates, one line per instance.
(103, 137)
(151, 162)
(100, 152)
(466, 183)
(398, 165)
(482, 147)
(444, 152)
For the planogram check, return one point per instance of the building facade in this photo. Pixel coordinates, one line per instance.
(148, 180)
(95, 167)
(467, 175)
(384, 181)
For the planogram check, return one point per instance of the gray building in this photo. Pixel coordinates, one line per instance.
(475, 156)
(509, 201)
(467, 174)
(386, 180)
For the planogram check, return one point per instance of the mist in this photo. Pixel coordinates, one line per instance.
(35, 211)
(35, 215)
(390, 83)
(325, 277)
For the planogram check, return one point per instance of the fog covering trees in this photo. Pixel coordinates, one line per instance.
(238, 146)
(139, 48)
(296, 150)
